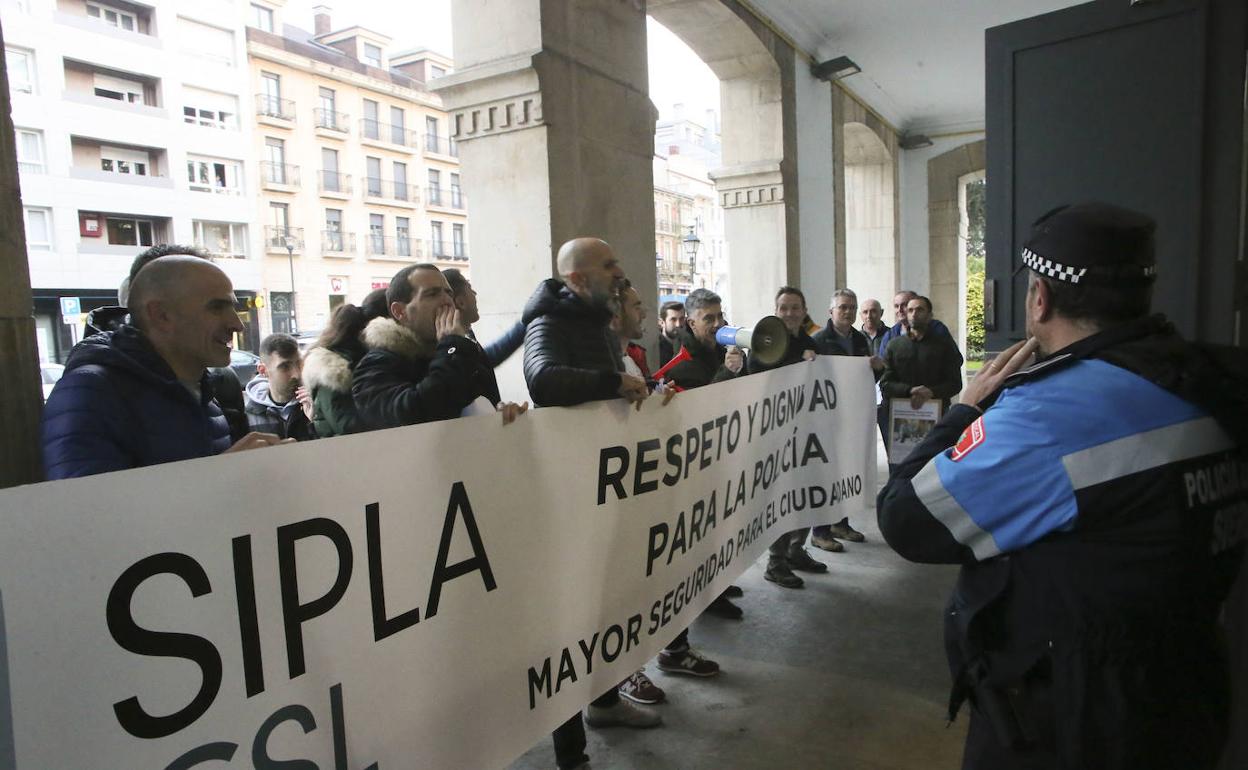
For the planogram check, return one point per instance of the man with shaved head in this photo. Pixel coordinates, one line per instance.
(138, 395)
(570, 353)
(571, 356)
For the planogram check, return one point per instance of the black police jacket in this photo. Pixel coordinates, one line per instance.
(1098, 508)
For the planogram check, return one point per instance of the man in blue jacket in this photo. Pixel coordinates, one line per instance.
(139, 395)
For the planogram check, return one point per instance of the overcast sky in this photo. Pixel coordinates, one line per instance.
(677, 75)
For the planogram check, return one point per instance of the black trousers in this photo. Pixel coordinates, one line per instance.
(985, 751)
(569, 737)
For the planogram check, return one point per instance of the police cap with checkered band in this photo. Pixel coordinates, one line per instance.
(1095, 244)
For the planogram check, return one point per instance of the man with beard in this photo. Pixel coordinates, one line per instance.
(924, 364)
(1078, 495)
(270, 404)
(671, 321)
(571, 356)
(630, 314)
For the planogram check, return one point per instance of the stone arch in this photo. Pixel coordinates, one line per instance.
(870, 214)
(757, 183)
(946, 176)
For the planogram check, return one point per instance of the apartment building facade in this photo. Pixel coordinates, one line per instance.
(689, 242)
(358, 175)
(131, 126)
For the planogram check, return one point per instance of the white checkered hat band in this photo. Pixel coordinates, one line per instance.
(1051, 269)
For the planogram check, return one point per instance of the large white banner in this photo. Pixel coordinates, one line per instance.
(439, 596)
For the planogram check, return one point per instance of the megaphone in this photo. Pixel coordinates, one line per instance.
(768, 341)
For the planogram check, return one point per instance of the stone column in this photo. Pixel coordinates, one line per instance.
(758, 184)
(549, 104)
(21, 397)
(752, 197)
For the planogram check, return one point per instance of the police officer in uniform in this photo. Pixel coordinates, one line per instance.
(1096, 501)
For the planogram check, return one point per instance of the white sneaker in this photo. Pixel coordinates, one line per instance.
(622, 714)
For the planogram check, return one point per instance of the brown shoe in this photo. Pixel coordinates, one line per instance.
(639, 689)
(842, 530)
(826, 543)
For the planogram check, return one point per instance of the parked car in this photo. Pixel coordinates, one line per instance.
(245, 364)
(307, 340)
(49, 374)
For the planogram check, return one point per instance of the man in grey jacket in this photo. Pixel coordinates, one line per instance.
(271, 398)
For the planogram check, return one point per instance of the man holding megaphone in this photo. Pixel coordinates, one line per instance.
(702, 359)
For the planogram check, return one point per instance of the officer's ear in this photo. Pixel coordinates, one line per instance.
(1040, 298)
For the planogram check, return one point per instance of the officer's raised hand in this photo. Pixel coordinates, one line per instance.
(991, 377)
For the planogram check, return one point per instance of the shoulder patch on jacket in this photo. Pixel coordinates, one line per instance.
(972, 437)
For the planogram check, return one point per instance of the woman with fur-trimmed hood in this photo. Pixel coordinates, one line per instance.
(329, 366)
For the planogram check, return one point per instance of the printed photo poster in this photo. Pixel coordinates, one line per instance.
(907, 426)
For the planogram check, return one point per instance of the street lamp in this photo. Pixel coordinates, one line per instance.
(690, 243)
(290, 260)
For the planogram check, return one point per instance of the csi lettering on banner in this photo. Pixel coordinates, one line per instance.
(439, 596)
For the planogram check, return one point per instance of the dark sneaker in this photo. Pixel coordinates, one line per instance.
(734, 592)
(826, 543)
(780, 574)
(687, 661)
(842, 530)
(804, 562)
(722, 608)
(639, 689)
(622, 714)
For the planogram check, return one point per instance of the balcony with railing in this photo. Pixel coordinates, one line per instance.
(273, 111)
(392, 193)
(280, 240)
(451, 199)
(448, 252)
(132, 26)
(377, 246)
(282, 177)
(335, 243)
(331, 184)
(443, 146)
(387, 136)
(334, 125)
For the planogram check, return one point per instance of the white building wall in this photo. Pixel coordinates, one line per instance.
(55, 35)
(915, 256)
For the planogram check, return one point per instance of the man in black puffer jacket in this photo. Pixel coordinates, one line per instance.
(571, 356)
(570, 353)
(421, 365)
